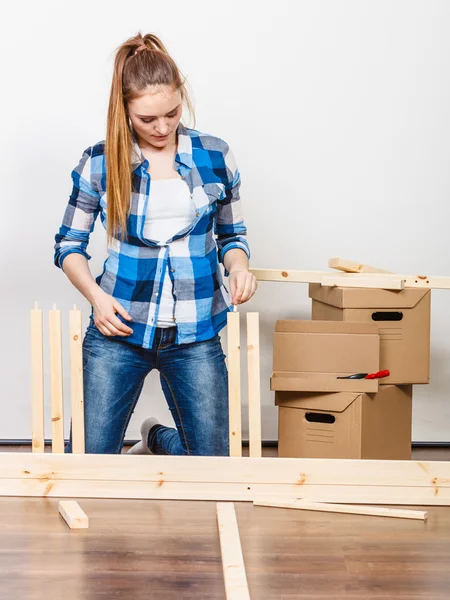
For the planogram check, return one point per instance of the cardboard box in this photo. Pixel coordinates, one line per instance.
(346, 425)
(310, 355)
(402, 318)
(282, 381)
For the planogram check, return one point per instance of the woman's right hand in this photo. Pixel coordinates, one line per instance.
(105, 309)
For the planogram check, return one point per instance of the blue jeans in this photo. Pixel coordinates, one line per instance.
(194, 381)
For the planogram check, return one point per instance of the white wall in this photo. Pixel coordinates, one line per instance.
(337, 111)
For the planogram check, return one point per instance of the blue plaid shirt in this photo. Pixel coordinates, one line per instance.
(134, 270)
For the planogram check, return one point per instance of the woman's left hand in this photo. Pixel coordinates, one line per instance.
(243, 285)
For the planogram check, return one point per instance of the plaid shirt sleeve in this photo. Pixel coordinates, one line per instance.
(229, 225)
(80, 215)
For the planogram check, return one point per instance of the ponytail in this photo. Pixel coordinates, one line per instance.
(140, 62)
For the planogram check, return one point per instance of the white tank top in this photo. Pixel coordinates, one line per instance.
(170, 209)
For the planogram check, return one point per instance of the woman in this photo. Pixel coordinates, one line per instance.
(168, 197)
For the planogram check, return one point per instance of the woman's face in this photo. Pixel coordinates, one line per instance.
(155, 115)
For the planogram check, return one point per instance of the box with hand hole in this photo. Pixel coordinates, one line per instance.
(345, 424)
(323, 416)
(402, 318)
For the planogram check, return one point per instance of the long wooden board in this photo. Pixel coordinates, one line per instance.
(254, 386)
(365, 280)
(295, 471)
(234, 383)
(37, 379)
(56, 379)
(236, 587)
(234, 492)
(225, 478)
(76, 380)
(351, 509)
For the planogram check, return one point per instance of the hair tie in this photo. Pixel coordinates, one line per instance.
(141, 47)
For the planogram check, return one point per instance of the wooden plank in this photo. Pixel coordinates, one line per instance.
(363, 281)
(289, 275)
(299, 472)
(392, 282)
(254, 385)
(350, 266)
(73, 515)
(418, 281)
(56, 380)
(353, 509)
(234, 492)
(76, 381)
(224, 478)
(37, 379)
(236, 587)
(234, 383)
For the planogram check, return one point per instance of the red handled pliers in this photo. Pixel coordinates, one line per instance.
(377, 375)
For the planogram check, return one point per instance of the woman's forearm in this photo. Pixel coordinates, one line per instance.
(76, 267)
(236, 260)
(242, 283)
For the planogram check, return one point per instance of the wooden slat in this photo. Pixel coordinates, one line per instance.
(300, 472)
(414, 281)
(222, 478)
(236, 587)
(291, 275)
(235, 492)
(73, 514)
(234, 383)
(365, 280)
(37, 379)
(76, 381)
(350, 266)
(56, 380)
(353, 509)
(254, 391)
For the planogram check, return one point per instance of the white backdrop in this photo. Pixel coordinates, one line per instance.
(337, 112)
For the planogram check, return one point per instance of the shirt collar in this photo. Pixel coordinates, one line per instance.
(183, 155)
(184, 150)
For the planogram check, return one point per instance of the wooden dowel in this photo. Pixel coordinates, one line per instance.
(56, 380)
(73, 514)
(254, 387)
(236, 587)
(76, 381)
(234, 384)
(37, 379)
(353, 509)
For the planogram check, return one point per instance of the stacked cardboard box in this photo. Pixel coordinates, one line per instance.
(402, 319)
(353, 330)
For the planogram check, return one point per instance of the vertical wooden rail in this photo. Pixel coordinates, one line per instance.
(56, 379)
(234, 383)
(37, 379)
(236, 587)
(76, 381)
(254, 387)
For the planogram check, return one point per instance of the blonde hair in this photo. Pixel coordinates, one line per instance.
(140, 62)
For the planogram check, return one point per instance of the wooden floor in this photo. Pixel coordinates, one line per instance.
(136, 549)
